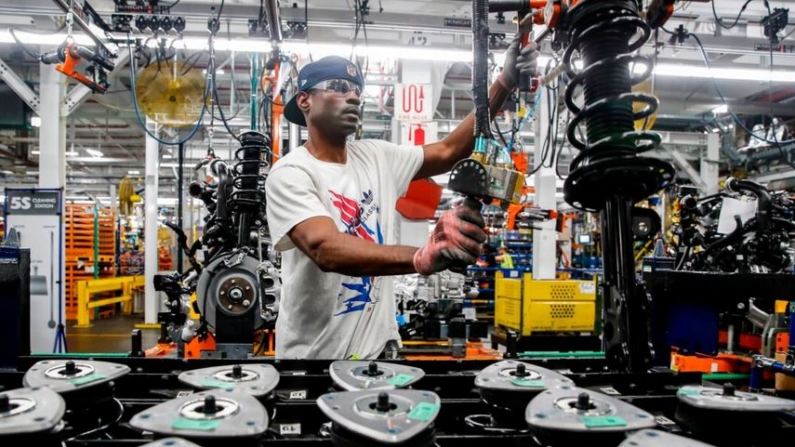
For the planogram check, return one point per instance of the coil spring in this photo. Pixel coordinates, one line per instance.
(608, 165)
(249, 172)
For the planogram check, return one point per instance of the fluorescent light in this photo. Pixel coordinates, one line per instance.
(380, 52)
(35, 152)
(167, 156)
(241, 45)
(71, 153)
(217, 72)
(737, 74)
(133, 172)
(405, 52)
(190, 43)
(35, 121)
(7, 172)
(720, 110)
(95, 153)
(42, 39)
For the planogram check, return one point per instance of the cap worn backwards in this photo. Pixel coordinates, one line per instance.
(330, 67)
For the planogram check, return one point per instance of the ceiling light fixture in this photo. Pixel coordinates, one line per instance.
(405, 52)
(720, 110)
(737, 74)
(95, 153)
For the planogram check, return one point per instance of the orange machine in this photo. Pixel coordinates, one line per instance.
(69, 55)
(270, 79)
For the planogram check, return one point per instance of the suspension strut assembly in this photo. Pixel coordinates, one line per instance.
(249, 183)
(608, 175)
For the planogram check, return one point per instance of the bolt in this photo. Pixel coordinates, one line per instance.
(246, 302)
(583, 402)
(70, 368)
(521, 370)
(729, 389)
(382, 405)
(237, 372)
(209, 404)
(248, 287)
(223, 293)
(234, 281)
(230, 307)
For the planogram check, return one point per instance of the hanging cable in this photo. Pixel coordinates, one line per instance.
(736, 20)
(723, 97)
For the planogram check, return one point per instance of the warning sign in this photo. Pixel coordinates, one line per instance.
(418, 134)
(413, 102)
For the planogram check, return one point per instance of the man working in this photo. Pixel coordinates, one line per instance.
(331, 212)
(504, 258)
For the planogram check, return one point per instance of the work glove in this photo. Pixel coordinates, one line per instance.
(455, 241)
(518, 62)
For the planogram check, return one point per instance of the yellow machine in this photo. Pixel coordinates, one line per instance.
(530, 306)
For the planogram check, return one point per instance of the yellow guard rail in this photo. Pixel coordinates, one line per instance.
(86, 289)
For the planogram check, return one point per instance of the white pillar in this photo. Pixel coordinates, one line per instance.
(52, 167)
(294, 132)
(114, 198)
(151, 302)
(709, 164)
(544, 239)
(412, 232)
(52, 133)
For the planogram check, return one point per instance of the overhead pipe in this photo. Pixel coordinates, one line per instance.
(274, 20)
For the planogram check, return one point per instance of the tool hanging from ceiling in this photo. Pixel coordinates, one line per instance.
(69, 54)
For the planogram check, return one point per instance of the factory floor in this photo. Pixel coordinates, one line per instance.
(108, 335)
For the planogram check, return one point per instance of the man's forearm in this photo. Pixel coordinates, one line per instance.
(350, 255)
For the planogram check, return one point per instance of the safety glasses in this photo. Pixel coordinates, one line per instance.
(341, 86)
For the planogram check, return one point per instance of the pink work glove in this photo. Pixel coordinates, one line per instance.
(455, 241)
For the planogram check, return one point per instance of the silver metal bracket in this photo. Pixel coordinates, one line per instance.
(568, 409)
(257, 380)
(359, 375)
(386, 417)
(656, 438)
(64, 376)
(209, 414)
(32, 410)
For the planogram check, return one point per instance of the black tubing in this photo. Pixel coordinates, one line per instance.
(764, 201)
(480, 66)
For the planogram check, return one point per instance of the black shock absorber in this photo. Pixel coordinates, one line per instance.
(608, 175)
(248, 198)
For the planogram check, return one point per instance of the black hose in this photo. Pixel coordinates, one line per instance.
(480, 66)
(682, 261)
(508, 5)
(764, 200)
(733, 237)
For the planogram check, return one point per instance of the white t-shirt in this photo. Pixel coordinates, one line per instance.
(329, 315)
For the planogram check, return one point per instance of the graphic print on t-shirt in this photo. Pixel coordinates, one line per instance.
(355, 216)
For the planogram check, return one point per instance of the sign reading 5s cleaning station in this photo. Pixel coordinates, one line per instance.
(33, 202)
(36, 215)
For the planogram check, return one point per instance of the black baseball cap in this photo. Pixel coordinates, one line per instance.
(313, 73)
